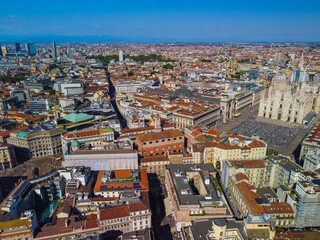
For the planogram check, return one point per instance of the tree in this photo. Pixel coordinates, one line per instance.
(167, 66)
(52, 66)
(130, 74)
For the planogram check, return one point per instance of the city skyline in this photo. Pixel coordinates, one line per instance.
(288, 21)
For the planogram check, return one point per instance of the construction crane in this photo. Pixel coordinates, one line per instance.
(55, 108)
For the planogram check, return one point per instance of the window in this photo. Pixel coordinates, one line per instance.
(279, 116)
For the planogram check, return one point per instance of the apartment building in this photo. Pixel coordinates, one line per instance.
(311, 141)
(232, 148)
(273, 171)
(155, 164)
(248, 201)
(127, 217)
(311, 160)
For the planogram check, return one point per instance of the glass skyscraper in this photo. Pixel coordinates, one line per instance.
(31, 48)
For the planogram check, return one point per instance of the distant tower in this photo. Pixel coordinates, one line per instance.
(277, 57)
(31, 48)
(232, 64)
(120, 56)
(18, 47)
(69, 50)
(54, 46)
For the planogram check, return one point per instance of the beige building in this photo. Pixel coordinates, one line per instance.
(249, 200)
(37, 144)
(235, 148)
(155, 164)
(288, 101)
(185, 117)
(273, 171)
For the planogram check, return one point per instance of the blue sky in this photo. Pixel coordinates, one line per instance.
(231, 20)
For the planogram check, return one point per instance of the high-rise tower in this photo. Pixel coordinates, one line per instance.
(54, 46)
(120, 56)
(31, 48)
(18, 47)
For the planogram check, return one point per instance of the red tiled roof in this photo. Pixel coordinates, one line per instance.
(82, 134)
(159, 135)
(241, 176)
(249, 197)
(7, 133)
(279, 208)
(160, 158)
(116, 212)
(248, 164)
(122, 174)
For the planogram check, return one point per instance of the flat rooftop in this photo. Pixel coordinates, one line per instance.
(181, 176)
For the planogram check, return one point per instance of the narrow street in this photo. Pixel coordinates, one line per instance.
(112, 94)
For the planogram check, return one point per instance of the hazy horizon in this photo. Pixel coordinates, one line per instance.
(168, 21)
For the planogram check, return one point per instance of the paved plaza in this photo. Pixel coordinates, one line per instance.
(279, 135)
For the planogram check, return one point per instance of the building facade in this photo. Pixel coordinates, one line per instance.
(118, 159)
(311, 141)
(308, 204)
(8, 157)
(287, 101)
(155, 164)
(160, 142)
(37, 143)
